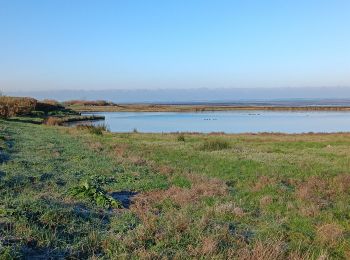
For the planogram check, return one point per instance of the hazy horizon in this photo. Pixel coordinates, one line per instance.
(192, 95)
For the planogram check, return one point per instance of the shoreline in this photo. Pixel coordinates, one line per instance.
(201, 108)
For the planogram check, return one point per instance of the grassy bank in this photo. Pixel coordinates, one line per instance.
(68, 192)
(196, 108)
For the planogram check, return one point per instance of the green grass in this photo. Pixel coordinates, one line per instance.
(38, 213)
(210, 196)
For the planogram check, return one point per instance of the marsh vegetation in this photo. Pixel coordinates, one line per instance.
(48, 112)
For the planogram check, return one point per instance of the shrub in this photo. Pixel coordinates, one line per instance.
(13, 106)
(53, 121)
(94, 129)
(181, 138)
(18, 106)
(214, 145)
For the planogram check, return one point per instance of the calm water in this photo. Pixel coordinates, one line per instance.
(228, 121)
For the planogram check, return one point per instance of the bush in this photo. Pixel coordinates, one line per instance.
(14, 106)
(53, 121)
(18, 106)
(181, 138)
(92, 129)
(214, 145)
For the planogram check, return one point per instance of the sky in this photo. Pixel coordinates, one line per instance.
(119, 44)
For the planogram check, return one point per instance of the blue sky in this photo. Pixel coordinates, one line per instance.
(65, 44)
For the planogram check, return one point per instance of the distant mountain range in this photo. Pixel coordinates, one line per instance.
(315, 95)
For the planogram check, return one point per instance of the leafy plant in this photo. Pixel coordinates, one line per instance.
(91, 190)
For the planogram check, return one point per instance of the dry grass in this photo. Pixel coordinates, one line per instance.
(229, 208)
(96, 146)
(13, 106)
(342, 183)
(136, 160)
(312, 189)
(209, 245)
(265, 201)
(330, 233)
(263, 251)
(309, 210)
(262, 182)
(53, 121)
(181, 196)
(163, 169)
(319, 192)
(120, 150)
(201, 187)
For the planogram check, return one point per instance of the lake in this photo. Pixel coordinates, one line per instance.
(227, 121)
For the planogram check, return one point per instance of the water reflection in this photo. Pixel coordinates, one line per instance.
(228, 121)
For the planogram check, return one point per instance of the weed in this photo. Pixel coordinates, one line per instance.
(92, 191)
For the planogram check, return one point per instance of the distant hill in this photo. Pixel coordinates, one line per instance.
(203, 95)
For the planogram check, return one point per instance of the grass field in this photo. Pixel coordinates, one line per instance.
(77, 193)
